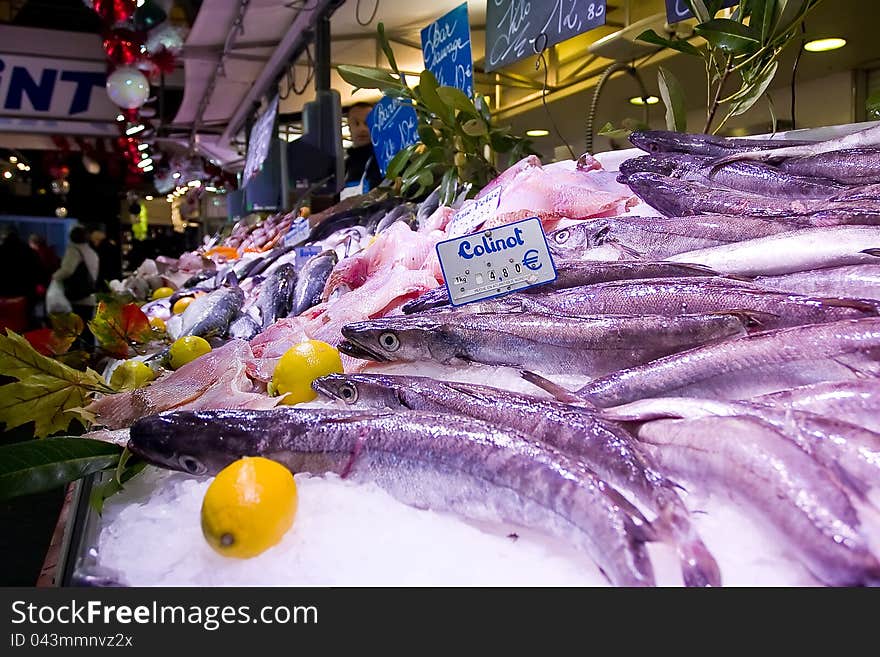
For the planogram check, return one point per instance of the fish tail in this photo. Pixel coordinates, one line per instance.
(698, 566)
(873, 252)
(557, 391)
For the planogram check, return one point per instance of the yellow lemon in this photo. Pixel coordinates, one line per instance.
(249, 507)
(181, 304)
(301, 365)
(162, 292)
(131, 374)
(158, 324)
(187, 349)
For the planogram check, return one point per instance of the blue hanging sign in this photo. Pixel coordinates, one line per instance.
(678, 10)
(446, 48)
(393, 126)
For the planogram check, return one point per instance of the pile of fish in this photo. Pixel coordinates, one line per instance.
(730, 348)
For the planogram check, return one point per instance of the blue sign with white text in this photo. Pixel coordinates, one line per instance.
(393, 126)
(678, 10)
(446, 48)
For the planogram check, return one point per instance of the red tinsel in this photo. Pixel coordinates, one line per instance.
(123, 46)
(114, 11)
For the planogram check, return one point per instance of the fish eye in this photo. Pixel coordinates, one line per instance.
(561, 236)
(192, 464)
(653, 146)
(389, 341)
(348, 393)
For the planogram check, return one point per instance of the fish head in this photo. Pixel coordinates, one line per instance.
(168, 440)
(651, 141)
(363, 390)
(407, 338)
(570, 242)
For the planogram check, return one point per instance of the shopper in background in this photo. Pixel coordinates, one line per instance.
(79, 272)
(361, 168)
(109, 256)
(49, 261)
(19, 278)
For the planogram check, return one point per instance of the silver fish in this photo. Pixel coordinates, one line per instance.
(586, 345)
(853, 281)
(604, 447)
(427, 460)
(243, 327)
(311, 281)
(210, 315)
(794, 495)
(852, 166)
(661, 237)
(676, 296)
(799, 250)
(855, 401)
(276, 295)
(735, 369)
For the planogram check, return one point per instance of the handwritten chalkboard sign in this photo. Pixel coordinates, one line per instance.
(446, 48)
(678, 10)
(393, 126)
(260, 140)
(514, 26)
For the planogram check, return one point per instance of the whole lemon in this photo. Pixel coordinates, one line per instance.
(184, 350)
(162, 292)
(181, 304)
(302, 364)
(158, 324)
(131, 374)
(249, 507)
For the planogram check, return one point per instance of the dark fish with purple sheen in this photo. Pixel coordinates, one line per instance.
(276, 294)
(604, 447)
(736, 369)
(664, 141)
(427, 460)
(857, 166)
(574, 273)
(751, 177)
(794, 495)
(852, 281)
(583, 345)
(855, 401)
(311, 280)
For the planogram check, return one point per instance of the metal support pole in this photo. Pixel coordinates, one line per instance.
(322, 53)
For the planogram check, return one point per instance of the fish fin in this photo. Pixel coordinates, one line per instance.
(857, 304)
(693, 266)
(673, 524)
(557, 391)
(873, 252)
(628, 251)
(739, 277)
(751, 318)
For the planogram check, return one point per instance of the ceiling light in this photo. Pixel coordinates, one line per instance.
(646, 100)
(195, 183)
(175, 175)
(22, 166)
(148, 169)
(7, 175)
(824, 45)
(140, 3)
(210, 188)
(144, 156)
(13, 159)
(120, 118)
(148, 198)
(143, 147)
(537, 133)
(133, 130)
(145, 163)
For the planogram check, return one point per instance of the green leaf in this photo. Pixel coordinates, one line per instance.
(117, 326)
(872, 104)
(474, 128)
(700, 11)
(386, 48)
(772, 111)
(399, 161)
(364, 77)
(749, 95)
(608, 130)
(428, 91)
(125, 472)
(729, 36)
(786, 14)
(37, 466)
(447, 187)
(456, 99)
(47, 391)
(427, 135)
(673, 98)
(650, 36)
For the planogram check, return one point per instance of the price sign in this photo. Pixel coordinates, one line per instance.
(474, 214)
(514, 26)
(393, 126)
(446, 48)
(678, 10)
(299, 232)
(495, 262)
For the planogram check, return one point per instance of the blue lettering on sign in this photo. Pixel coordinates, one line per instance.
(39, 92)
(446, 48)
(393, 126)
(531, 260)
(467, 250)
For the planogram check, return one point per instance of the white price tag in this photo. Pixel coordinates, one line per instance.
(474, 214)
(494, 262)
(299, 232)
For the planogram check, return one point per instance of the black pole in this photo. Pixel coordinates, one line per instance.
(322, 53)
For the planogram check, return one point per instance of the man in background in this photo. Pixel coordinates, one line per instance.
(109, 257)
(361, 168)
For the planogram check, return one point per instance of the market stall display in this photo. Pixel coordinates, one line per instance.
(695, 398)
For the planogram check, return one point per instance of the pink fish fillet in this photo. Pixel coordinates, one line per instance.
(271, 344)
(528, 162)
(180, 387)
(232, 390)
